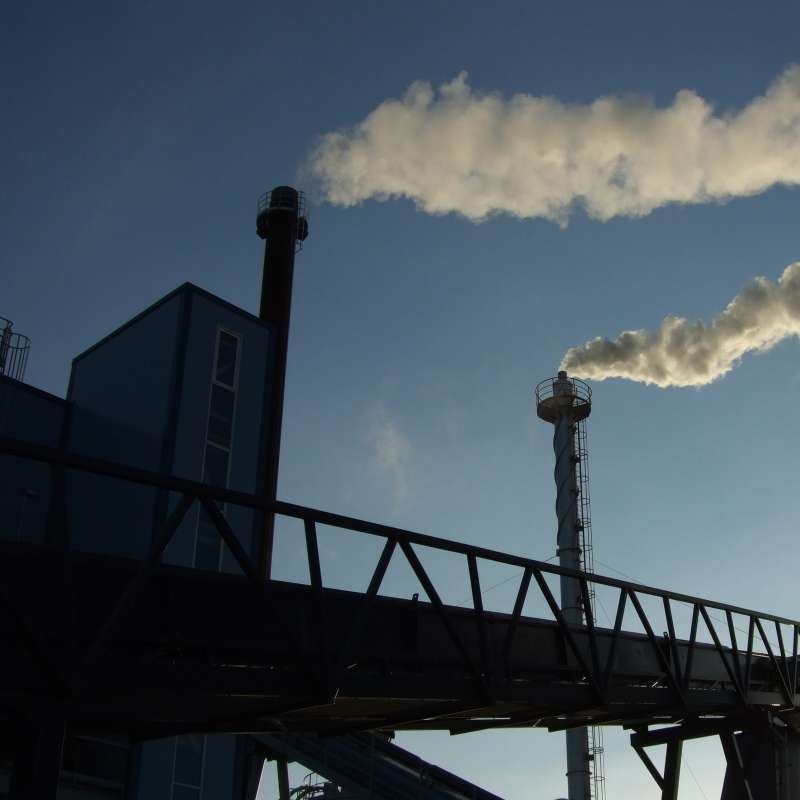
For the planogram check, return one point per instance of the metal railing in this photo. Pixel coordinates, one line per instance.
(282, 200)
(762, 672)
(578, 392)
(14, 348)
(285, 198)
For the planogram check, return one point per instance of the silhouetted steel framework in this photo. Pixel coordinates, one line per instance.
(147, 649)
(368, 766)
(282, 221)
(566, 403)
(14, 348)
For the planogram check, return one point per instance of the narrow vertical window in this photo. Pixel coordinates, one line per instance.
(227, 356)
(220, 416)
(219, 442)
(187, 769)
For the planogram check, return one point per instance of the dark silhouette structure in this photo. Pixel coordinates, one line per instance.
(138, 609)
(277, 657)
(14, 348)
(367, 766)
(566, 403)
(282, 221)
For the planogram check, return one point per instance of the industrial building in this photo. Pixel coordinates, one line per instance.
(148, 653)
(178, 389)
(185, 389)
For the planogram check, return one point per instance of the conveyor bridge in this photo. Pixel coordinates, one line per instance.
(139, 647)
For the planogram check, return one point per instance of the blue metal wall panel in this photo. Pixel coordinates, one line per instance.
(207, 316)
(120, 396)
(154, 781)
(122, 409)
(26, 487)
(218, 775)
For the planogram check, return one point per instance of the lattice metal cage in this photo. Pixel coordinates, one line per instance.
(14, 348)
(284, 198)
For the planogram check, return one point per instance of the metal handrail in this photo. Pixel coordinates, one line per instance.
(594, 671)
(552, 387)
(744, 689)
(36, 452)
(264, 203)
(14, 348)
(298, 205)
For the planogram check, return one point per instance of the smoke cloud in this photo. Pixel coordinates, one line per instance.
(684, 353)
(393, 455)
(456, 150)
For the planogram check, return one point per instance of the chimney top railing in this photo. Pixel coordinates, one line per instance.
(14, 348)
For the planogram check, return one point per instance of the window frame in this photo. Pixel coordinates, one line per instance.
(217, 339)
(206, 441)
(174, 783)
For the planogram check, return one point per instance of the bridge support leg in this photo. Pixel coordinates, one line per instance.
(283, 778)
(763, 762)
(251, 762)
(788, 767)
(668, 782)
(37, 764)
(672, 770)
(737, 773)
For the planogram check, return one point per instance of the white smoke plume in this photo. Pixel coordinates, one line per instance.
(456, 150)
(684, 353)
(393, 455)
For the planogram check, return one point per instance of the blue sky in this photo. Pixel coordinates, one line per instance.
(137, 138)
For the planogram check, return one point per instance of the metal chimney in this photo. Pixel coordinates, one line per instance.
(565, 403)
(282, 221)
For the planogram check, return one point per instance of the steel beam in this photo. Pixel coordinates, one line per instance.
(381, 659)
(36, 452)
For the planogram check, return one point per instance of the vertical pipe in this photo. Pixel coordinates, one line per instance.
(559, 403)
(568, 543)
(283, 779)
(278, 225)
(568, 535)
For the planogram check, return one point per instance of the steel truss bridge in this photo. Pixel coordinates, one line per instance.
(103, 644)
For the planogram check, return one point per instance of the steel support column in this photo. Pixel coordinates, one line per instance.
(668, 782)
(788, 766)
(672, 770)
(37, 763)
(283, 778)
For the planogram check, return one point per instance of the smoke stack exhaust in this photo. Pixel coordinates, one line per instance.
(565, 402)
(282, 221)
